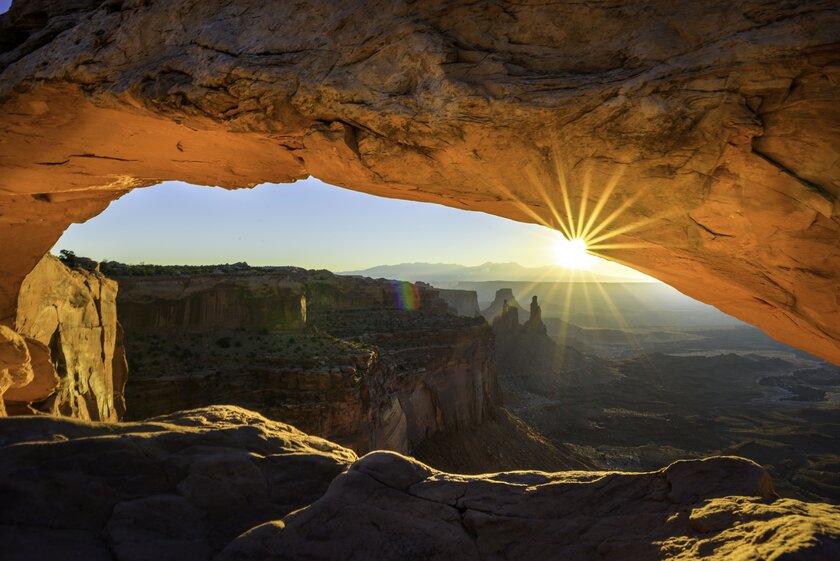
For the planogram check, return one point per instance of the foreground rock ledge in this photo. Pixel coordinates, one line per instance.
(180, 486)
(709, 129)
(185, 485)
(389, 507)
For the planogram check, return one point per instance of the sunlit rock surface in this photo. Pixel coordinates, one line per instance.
(709, 130)
(180, 486)
(15, 364)
(69, 320)
(390, 507)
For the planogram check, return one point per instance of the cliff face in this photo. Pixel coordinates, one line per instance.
(462, 302)
(206, 303)
(69, 320)
(701, 136)
(380, 365)
(437, 372)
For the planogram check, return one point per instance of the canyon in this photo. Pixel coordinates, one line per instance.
(695, 142)
(636, 398)
(372, 365)
(369, 364)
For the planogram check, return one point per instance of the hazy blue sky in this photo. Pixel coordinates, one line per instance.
(309, 224)
(4, 5)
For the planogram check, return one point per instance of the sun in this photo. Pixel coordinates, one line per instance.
(572, 254)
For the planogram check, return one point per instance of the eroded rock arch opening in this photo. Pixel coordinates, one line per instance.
(729, 158)
(717, 121)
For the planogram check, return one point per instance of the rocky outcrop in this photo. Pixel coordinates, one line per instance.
(15, 364)
(461, 302)
(528, 359)
(508, 319)
(439, 372)
(381, 364)
(535, 324)
(69, 320)
(391, 507)
(184, 486)
(176, 487)
(702, 137)
(504, 301)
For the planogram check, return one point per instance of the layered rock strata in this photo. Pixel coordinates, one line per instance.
(69, 320)
(700, 137)
(200, 303)
(176, 487)
(461, 302)
(438, 373)
(381, 364)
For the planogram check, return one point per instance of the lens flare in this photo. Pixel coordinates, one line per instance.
(572, 254)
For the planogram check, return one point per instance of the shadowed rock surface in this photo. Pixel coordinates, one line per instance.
(461, 302)
(184, 486)
(501, 442)
(176, 487)
(391, 507)
(503, 301)
(709, 130)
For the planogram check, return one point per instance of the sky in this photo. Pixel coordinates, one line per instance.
(308, 224)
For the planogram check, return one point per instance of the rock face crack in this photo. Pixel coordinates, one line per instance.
(714, 234)
(822, 191)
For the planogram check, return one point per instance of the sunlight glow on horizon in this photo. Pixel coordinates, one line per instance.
(572, 254)
(309, 224)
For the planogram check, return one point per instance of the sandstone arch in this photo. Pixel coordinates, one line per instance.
(719, 122)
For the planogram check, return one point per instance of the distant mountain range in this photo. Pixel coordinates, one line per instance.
(444, 273)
